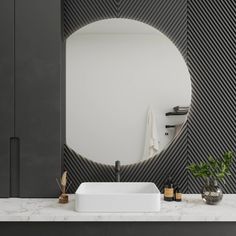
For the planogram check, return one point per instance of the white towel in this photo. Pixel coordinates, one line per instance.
(151, 141)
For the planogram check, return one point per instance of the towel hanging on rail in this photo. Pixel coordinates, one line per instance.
(151, 141)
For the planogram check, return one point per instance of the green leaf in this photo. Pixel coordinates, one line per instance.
(213, 168)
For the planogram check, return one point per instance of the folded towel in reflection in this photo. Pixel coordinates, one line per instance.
(151, 142)
(179, 108)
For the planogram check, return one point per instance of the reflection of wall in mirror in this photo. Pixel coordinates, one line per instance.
(112, 79)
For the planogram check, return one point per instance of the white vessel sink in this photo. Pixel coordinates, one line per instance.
(117, 197)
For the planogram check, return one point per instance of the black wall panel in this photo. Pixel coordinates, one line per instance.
(212, 63)
(170, 17)
(204, 32)
(6, 91)
(39, 115)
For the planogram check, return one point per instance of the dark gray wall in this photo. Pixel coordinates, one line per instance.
(204, 32)
(6, 91)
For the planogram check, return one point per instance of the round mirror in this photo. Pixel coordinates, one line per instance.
(128, 91)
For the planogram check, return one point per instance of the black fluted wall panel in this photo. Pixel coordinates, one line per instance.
(212, 61)
(168, 16)
(204, 32)
(153, 170)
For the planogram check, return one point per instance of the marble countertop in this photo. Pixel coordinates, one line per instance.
(190, 209)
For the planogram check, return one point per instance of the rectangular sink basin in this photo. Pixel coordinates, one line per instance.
(117, 197)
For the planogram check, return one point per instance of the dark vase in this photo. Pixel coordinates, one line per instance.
(211, 192)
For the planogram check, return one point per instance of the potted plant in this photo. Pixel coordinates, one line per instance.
(212, 171)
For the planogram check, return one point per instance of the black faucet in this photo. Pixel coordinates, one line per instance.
(117, 171)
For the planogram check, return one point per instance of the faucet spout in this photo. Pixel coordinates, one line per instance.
(117, 171)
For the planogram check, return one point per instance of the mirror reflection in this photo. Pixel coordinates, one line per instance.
(128, 91)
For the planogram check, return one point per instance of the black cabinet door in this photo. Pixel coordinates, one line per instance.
(39, 81)
(6, 91)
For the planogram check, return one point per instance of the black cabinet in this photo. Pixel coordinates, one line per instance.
(32, 97)
(6, 91)
(38, 83)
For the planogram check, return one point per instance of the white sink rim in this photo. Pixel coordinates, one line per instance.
(112, 184)
(120, 197)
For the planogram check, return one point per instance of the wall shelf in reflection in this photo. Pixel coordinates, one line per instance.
(179, 113)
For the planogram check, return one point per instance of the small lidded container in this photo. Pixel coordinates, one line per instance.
(178, 194)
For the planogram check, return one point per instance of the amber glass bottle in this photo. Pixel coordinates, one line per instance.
(178, 194)
(169, 190)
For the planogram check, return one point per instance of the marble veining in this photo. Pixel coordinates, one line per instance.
(190, 209)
